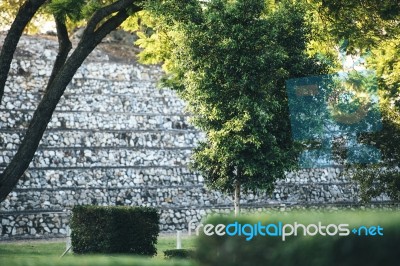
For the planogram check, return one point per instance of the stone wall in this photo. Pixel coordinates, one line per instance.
(116, 139)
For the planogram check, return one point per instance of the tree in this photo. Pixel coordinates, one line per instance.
(371, 29)
(229, 61)
(102, 18)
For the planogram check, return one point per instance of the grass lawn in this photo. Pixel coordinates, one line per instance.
(45, 253)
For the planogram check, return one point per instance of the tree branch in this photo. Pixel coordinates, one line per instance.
(24, 15)
(55, 89)
(102, 13)
(64, 46)
(113, 22)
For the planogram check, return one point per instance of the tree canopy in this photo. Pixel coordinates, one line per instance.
(229, 61)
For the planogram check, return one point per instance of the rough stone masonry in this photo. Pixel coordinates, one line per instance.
(116, 139)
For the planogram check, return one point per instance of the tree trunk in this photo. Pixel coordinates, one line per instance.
(92, 36)
(237, 198)
(64, 46)
(24, 15)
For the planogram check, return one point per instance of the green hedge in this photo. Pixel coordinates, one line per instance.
(98, 229)
(179, 254)
(306, 250)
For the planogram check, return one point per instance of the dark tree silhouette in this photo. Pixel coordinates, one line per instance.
(103, 21)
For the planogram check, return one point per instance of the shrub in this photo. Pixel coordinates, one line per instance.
(306, 250)
(98, 229)
(178, 253)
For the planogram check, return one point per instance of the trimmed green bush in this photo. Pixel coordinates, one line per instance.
(350, 250)
(98, 229)
(178, 254)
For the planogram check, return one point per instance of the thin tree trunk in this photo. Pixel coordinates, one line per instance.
(24, 15)
(237, 198)
(92, 36)
(64, 46)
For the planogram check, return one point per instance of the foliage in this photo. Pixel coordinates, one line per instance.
(74, 12)
(98, 229)
(383, 177)
(370, 30)
(305, 250)
(66, 8)
(179, 253)
(229, 60)
(230, 65)
(364, 23)
(9, 9)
